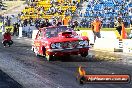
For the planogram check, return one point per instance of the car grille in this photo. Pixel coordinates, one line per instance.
(72, 44)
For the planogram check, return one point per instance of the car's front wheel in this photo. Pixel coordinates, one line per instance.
(49, 57)
(84, 54)
(35, 51)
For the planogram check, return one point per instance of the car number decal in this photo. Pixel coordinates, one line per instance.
(37, 44)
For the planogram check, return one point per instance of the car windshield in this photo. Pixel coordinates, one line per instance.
(53, 32)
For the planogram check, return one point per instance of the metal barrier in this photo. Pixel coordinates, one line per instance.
(104, 34)
(127, 45)
(106, 44)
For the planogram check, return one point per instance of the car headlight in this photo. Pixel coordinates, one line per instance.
(86, 43)
(53, 45)
(58, 45)
(81, 43)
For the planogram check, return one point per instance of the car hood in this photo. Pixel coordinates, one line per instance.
(60, 39)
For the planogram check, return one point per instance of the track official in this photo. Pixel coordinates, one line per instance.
(96, 26)
(118, 25)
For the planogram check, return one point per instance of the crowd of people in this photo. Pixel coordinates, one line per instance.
(108, 11)
(53, 7)
(95, 24)
(1, 5)
(56, 20)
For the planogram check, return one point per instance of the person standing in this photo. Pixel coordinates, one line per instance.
(47, 24)
(131, 23)
(59, 21)
(15, 29)
(118, 25)
(65, 21)
(96, 26)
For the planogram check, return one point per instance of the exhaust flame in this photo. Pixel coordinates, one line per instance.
(81, 71)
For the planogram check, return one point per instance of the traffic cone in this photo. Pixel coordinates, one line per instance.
(123, 32)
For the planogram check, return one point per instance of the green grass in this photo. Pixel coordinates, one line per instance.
(105, 29)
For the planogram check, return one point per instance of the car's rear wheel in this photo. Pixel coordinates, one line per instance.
(84, 54)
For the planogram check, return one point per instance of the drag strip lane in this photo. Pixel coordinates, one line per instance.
(22, 65)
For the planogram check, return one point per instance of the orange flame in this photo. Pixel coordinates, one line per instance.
(81, 71)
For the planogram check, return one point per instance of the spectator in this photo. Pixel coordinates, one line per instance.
(47, 24)
(76, 23)
(118, 25)
(65, 21)
(8, 21)
(96, 26)
(52, 10)
(15, 29)
(73, 25)
(54, 22)
(59, 21)
(7, 38)
(25, 22)
(131, 24)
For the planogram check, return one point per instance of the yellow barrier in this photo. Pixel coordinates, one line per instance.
(117, 34)
(1, 24)
(9, 28)
(78, 1)
(84, 34)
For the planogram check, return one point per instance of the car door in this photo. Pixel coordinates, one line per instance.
(40, 40)
(38, 43)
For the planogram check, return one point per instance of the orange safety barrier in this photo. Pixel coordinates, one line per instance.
(123, 32)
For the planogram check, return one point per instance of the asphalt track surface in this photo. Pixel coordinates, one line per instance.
(7, 82)
(21, 64)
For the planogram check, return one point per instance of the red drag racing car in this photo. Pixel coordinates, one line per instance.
(59, 41)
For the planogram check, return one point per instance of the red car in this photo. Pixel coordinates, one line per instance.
(59, 41)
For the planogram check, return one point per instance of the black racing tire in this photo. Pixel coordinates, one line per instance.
(44, 51)
(84, 54)
(36, 54)
(48, 57)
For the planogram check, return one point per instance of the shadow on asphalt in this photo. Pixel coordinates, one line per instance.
(21, 46)
(7, 82)
(78, 58)
(75, 58)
